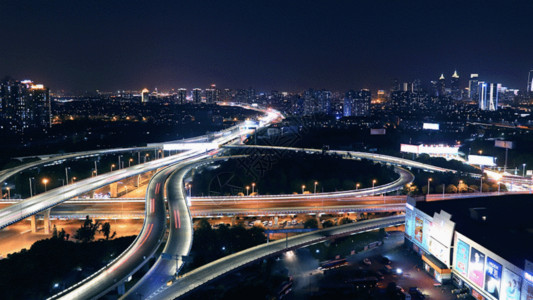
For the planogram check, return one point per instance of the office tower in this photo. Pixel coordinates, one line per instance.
(488, 96)
(24, 105)
(441, 86)
(324, 101)
(357, 103)
(145, 95)
(454, 85)
(529, 87)
(196, 96)
(211, 95)
(251, 95)
(310, 103)
(181, 96)
(473, 86)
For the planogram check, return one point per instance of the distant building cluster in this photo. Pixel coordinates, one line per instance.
(24, 105)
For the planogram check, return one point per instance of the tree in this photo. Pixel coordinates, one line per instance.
(87, 231)
(311, 223)
(382, 233)
(105, 230)
(451, 188)
(54, 232)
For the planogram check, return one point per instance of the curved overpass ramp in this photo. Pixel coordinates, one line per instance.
(206, 273)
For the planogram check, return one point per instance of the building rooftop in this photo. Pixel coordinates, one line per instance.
(502, 224)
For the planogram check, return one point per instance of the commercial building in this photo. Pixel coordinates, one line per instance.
(473, 87)
(181, 97)
(196, 96)
(529, 88)
(357, 103)
(484, 245)
(24, 105)
(488, 96)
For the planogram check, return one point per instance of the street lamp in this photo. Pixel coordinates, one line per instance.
(45, 181)
(129, 163)
(74, 178)
(481, 184)
(357, 185)
(94, 173)
(303, 188)
(253, 187)
(247, 189)
(373, 183)
(316, 183)
(112, 166)
(459, 185)
(429, 180)
(480, 152)
(523, 170)
(8, 194)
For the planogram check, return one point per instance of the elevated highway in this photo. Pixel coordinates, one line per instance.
(200, 276)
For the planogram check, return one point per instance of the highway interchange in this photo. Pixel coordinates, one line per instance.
(180, 237)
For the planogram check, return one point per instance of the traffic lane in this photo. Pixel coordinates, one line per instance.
(180, 237)
(136, 255)
(214, 269)
(265, 204)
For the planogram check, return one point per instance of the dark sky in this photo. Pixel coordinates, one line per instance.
(284, 45)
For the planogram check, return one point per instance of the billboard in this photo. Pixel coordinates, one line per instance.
(431, 126)
(481, 160)
(503, 144)
(378, 131)
(430, 149)
(493, 276)
(409, 216)
(440, 251)
(461, 257)
(419, 225)
(476, 267)
(510, 287)
(409, 148)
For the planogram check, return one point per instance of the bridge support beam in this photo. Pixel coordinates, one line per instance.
(121, 289)
(33, 223)
(113, 189)
(47, 222)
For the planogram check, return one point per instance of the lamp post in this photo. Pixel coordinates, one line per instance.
(8, 193)
(303, 188)
(373, 184)
(429, 180)
(247, 189)
(129, 162)
(31, 190)
(253, 187)
(357, 185)
(523, 170)
(316, 183)
(45, 181)
(459, 185)
(66, 174)
(74, 178)
(481, 184)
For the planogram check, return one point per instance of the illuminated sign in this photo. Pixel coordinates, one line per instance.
(190, 146)
(430, 149)
(379, 131)
(461, 257)
(528, 277)
(503, 144)
(510, 285)
(476, 267)
(419, 225)
(481, 160)
(431, 126)
(493, 275)
(409, 148)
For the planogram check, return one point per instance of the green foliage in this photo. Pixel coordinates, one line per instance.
(345, 221)
(87, 231)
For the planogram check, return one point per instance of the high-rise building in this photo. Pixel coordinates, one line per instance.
(145, 95)
(211, 96)
(454, 85)
(24, 105)
(530, 82)
(196, 96)
(181, 97)
(473, 87)
(357, 103)
(441, 86)
(488, 96)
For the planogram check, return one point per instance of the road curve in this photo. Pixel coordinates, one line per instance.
(179, 240)
(137, 253)
(206, 273)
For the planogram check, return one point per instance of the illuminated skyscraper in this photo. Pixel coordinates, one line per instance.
(488, 96)
(441, 86)
(145, 95)
(454, 84)
(181, 97)
(196, 96)
(530, 82)
(473, 86)
(211, 95)
(357, 103)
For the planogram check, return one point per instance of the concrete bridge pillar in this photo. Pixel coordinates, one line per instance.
(318, 221)
(121, 289)
(33, 224)
(113, 189)
(47, 222)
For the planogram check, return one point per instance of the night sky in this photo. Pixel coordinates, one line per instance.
(282, 45)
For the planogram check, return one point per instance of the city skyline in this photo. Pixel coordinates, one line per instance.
(265, 45)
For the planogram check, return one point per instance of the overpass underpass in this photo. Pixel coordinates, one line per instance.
(200, 276)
